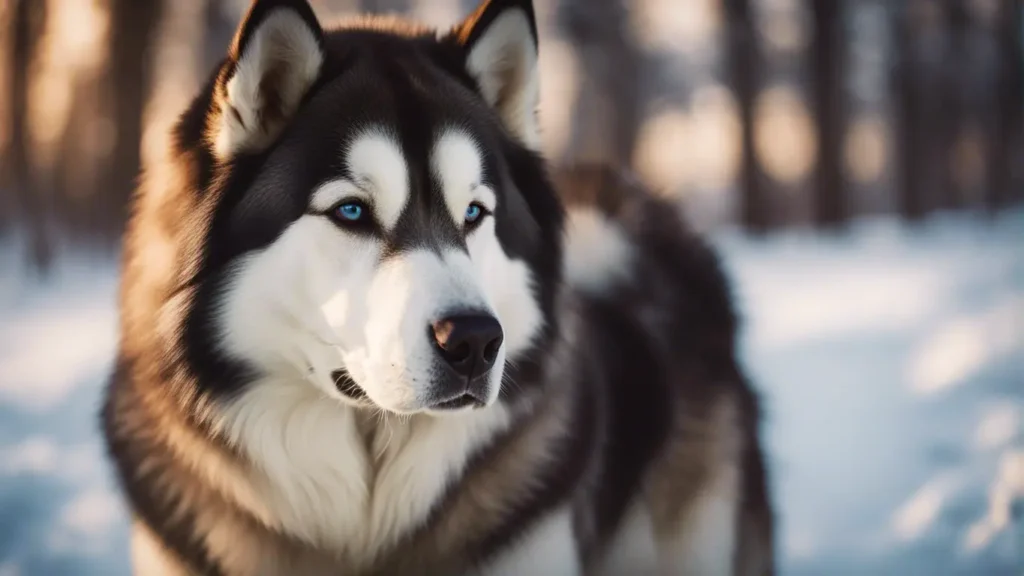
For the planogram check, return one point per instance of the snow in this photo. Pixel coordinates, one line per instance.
(890, 361)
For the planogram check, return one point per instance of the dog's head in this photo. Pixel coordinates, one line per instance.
(378, 224)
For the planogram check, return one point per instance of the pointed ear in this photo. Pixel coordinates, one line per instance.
(499, 41)
(274, 60)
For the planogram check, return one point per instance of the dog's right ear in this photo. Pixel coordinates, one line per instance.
(274, 59)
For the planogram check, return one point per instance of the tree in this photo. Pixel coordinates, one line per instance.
(28, 19)
(911, 114)
(828, 53)
(1005, 170)
(744, 60)
(133, 27)
(609, 107)
(955, 114)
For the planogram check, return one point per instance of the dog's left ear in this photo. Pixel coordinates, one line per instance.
(499, 41)
(275, 58)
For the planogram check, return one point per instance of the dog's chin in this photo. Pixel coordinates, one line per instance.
(441, 406)
(449, 412)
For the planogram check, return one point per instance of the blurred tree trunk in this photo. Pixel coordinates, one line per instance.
(28, 19)
(911, 115)
(952, 120)
(6, 59)
(133, 29)
(744, 61)
(220, 28)
(1006, 170)
(609, 107)
(72, 176)
(828, 53)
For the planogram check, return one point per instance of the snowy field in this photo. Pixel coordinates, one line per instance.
(891, 362)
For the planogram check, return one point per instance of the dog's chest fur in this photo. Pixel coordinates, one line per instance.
(348, 481)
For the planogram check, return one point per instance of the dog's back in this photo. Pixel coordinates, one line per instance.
(683, 423)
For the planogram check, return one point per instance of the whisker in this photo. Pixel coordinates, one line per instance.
(507, 379)
(381, 423)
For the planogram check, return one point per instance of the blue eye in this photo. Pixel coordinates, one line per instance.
(473, 213)
(350, 211)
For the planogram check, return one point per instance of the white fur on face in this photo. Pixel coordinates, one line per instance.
(271, 313)
(377, 164)
(393, 357)
(508, 284)
(456, 161)
(321, 298)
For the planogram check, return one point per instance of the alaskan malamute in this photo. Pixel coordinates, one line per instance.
(362, 333)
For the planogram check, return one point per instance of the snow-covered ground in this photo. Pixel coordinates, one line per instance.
(892, 368)
(891, 362)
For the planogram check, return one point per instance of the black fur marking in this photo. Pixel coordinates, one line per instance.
(637, 408)
(539, 245)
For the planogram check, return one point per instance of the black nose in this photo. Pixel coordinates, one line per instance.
(468, 342)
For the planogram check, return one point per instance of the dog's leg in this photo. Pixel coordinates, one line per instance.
(633, 550)
(549, 549)
(704, 542)
(695, 492)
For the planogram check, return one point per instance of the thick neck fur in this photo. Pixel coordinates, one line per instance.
(344, 484)
(344, 478)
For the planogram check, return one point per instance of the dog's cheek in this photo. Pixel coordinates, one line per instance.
(509, 287)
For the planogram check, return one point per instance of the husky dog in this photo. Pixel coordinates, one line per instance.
(364, 330)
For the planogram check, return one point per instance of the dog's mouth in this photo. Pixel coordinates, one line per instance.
(348, 387)
(459, 402)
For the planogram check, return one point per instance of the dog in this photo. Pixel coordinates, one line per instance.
(364, 329)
